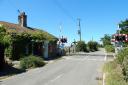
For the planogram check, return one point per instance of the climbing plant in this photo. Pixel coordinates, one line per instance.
(16, 42)
(4, 42)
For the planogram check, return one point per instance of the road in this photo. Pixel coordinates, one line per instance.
(70, 70)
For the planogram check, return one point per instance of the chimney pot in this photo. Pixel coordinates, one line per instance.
(22, 18)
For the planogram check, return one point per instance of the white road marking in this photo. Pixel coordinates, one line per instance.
(114, 56)
(86, 58)
(104, 78)
(105, 58)
(59, 76)
(95, 59)
(56, 78)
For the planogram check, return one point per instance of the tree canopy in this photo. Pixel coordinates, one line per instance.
(81, 46)
(93, 46)
(106, 40)
(4, 38)
(124, 26)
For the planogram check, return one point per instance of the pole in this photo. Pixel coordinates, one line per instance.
(79, 28)
(60, 30)
(120, 43)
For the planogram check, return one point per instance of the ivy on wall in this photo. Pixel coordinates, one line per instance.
(16, 43)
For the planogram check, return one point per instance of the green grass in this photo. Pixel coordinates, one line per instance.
(109, 66)
(114, 74)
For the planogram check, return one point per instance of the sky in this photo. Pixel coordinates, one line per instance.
(98, 17)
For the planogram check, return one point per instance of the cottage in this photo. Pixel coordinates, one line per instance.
(33, 41)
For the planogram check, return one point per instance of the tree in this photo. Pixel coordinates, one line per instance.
(93, 46)
(81, 46)
(106, 40)
(124, 26)
(2, 46)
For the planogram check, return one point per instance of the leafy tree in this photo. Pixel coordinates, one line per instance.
(106, 40)
(4, 40)
(93, 46)
(81, 46)
(124, 26)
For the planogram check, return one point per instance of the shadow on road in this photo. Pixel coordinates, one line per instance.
(53, 58)
(9, 70)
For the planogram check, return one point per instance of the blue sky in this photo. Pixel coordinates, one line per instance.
(98, 17)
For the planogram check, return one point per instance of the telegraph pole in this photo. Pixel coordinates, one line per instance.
(79, 28)
(60, 30)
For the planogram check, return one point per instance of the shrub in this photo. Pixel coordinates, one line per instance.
(122, 58)
(93, 46)
(31, 62)
(121, 55)
(114, 74)
(109, 48)
(125, 68)
(81, 46)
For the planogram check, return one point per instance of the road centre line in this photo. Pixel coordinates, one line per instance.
(59, 76)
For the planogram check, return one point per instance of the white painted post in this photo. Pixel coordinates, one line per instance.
(46, 49)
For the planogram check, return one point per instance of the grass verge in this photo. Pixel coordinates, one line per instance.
(114, 74)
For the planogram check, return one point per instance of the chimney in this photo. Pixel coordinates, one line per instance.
(22, 18)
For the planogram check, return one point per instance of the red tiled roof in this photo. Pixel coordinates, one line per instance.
(16, 28)
(10, 27)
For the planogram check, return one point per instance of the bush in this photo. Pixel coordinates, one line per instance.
(121, 55)
(125, 68)
(114, 74)
(31, 62)
(109, 48)
(81, 46)
(93, 46)
(122, 58)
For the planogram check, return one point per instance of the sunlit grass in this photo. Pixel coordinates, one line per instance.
(114, 74)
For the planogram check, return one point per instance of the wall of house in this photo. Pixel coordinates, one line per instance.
(52, 50)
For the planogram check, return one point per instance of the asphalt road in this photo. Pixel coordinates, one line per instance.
(70, 70)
